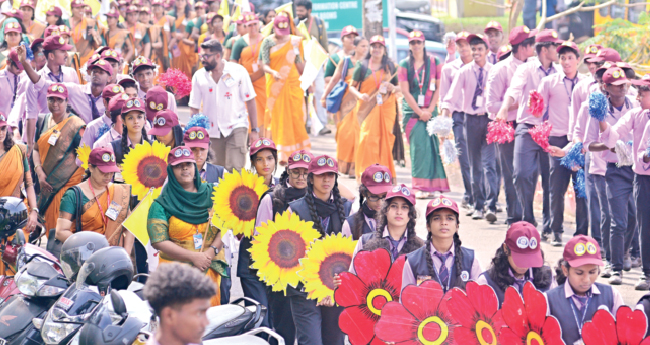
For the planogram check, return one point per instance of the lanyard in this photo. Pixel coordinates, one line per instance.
(98, 204)
(573, 85)
(58, 77)
(14, 89)
(311, 21)
(374, 75)
(584, 313)
(252, 46)
(421, 80)
(438, 275)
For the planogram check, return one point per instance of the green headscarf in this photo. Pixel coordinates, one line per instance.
(193, 208)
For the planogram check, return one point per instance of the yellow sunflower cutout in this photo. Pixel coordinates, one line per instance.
(83, 153)
(325, 258)
(145, 167)
(236, 199)
(278, 247)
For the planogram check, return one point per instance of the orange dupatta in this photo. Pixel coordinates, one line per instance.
(83, 45)
(158, 33)
(92, 218)
(187, 58)
(347, 127)
(12, 163)
(249, 56)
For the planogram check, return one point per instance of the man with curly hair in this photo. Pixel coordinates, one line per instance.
(180, 296)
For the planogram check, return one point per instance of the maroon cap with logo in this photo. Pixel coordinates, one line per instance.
(126, 80)
(570, 45)
(57, 90)
(582, 250)
(250, 18)
(117, 102)
(54, 11)
(13, 27)
(132, 9)
(416, 35)
(591, 51)
(36, 42)
(349, 30)
(27, 3)
(462, 36)
(180, 154)
(110, 54)
(615, 76)
(13, 55)
(14, 13)
(51, 30)
(473, 36)
(77, 3)
(493, 24)
(140, 62)
(281, 24)
(401, 191)
(606, 54)
(56, 43)
(377, 179)
(441, 202)
(103, 65)
(157, 99)
(504, 52)
(300, 159)
(197, 137)
(547, 35)
(378, 39)
(644, 81)
(163, 123)
(520, 34)
(522, 238)
(261, 144)
(323, 164)
(113, 12)
(104, 159)
(133, 104)
(3, 119)
(111, 90)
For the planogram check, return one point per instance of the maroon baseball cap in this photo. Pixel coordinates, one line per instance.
(157, 99)
(570, 45)
(3, 119)
(416, 35)
(323, 164)
(281, 24)
(110, 54)
(547, 35)
(473, 36)
(57, 90)
(591, 51)
(606, 54)
(180, 154)
(197, 137)
(77, 3)
(582, 250)
(36, 42)
(133, 104)
(13, 55)
(441, 202)
(163, 123)
(643, 81)
(462, 36)
(349, 30)
(13, 27)
(14, 13)
(104, 159)
(261, 144)
(127, 79)
(377, 179)
(111, 90)
(54, 11)
(139, 62)
(64, 30)
(300, 159)
(504, 52)
(615, 76)
(103, 65)
(200, 4)
(132, 9)
(250, 18)
(401, 191)
(520, 33)
(27, 3)
(493, 24)
(117, 102)
(378, 39)
(56, 43)
(51, 30)
(522, 238)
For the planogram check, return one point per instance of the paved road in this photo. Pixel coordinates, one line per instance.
(484, 238)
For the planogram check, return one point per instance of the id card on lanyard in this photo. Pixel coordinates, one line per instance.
(580, 321)
(419, 77)
(378, 82)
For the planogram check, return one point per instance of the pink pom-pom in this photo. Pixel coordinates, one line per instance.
(536, 103)
(540, 134)
(180, 84)
(500, 132)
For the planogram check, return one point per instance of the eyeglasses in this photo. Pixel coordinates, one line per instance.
(297, 174)
(375, 198)
(205, 56)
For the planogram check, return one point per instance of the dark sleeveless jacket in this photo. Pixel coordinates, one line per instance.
(372, 241)
(418, 262)
(560, 307)
(498, 290)
(365, 229)
(119, 152)
(213, 173)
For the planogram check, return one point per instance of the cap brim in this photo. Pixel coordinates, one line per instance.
(56, 95)
(159, 131)
(528, 260)
(585, 261)
(184, 160)
(378, 190)
(400, 196)
(322, 171)
(297, 165)
(620, 82)
(597, 59)
(66, 47)
(191, 144)
(343, 34)
(640, 82)
(108, 168)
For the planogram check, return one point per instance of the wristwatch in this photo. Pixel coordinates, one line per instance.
(216, 250)
(256, 129)
(36, 209)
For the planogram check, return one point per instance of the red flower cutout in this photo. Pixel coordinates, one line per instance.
(629, 328)
(540, 134)
(364, 296)
(477, 314)
(526, 319)
(536, 103)
(421, 319)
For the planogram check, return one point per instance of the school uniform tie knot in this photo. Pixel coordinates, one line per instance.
(394, 250)
(582, 302)
(443, 273)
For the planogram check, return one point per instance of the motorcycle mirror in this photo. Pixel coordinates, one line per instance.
(19, 239)
(118, 303)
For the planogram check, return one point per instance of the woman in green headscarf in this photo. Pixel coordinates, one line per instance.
(178, 223)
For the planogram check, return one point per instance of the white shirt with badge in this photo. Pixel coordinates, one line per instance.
(224, 103)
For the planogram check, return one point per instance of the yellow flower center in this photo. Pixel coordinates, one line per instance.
(534, 339)
(485, 333)
(433, 328)
(376, 300)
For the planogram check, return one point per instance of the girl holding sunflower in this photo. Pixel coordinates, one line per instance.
(518, 260)
(442, 258)
(133, 128)
(317, 323)
(178, 223)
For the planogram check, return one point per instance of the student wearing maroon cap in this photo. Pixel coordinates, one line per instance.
(134, 129)
(636, 119)
(166, 129)
(348, 37)
(441, 258)
(578, 293)
(144, 71)
(518, 260)
(264, 159)
(317, 323)
(54, 15)
(104, 205)
(130, 86)
(34, 28)
(138, 34)
(97, 127)
(198, 139)
(116, 37)
(10, 79)
(376, 181)
(114, 110)
(494, 33)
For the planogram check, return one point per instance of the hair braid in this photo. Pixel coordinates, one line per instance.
(279, 197)
(359, 218)
(338, 200)
(427, 254)
(309, 198)
(458, 258)
(125, 143)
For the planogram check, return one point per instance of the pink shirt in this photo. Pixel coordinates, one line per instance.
(568, 292)
(634, 122)
(497, 84)
(409, 279)
(593, 130)
(90, 134)
(37, 100)
(492, 57)
(526, 78)
(580, 94)
(79, 97)
(17, 113)
(446, 78)
(556, 90)
(347, 231)
(641, 167)
(9, 90)
(461, 92)
(598, 165)
(106, 139)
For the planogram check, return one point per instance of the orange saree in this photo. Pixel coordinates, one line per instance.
(160, 34)
(12, 164)
(185, 58)
(347, 127)
(84, 43)
(250, 56)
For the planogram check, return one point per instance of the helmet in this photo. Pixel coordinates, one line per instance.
(13, 212)
(78, 248)
(100, 330)
(107, 267)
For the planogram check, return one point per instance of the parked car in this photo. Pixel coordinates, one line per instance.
(418, 6)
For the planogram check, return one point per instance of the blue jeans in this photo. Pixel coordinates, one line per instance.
(463, 157)
(482, 162)
(620, 186)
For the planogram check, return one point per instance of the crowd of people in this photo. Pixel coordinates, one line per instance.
(79, 82)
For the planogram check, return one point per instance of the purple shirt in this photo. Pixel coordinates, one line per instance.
(90, 134)
(634, 122)
(79, 97)
(556, 90)
(613, 115)
(106, 139)
(37, 100)
(527, 78)
(497, 84)
(446, 78)
(641, 167)
(461, 92)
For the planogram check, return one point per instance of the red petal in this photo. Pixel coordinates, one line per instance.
(497, 321)
(483, 298)
(551, 331)
(645, 341)
(508, 337)
(354, 322)
(376, 341)
(536, 307)
(601, 330)
(460, 307)
(352, 291)
(372, 266)
(630, 325)
(394, 277)
(422, 301)
(396, 324)
(465, 336)
(514, 313)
